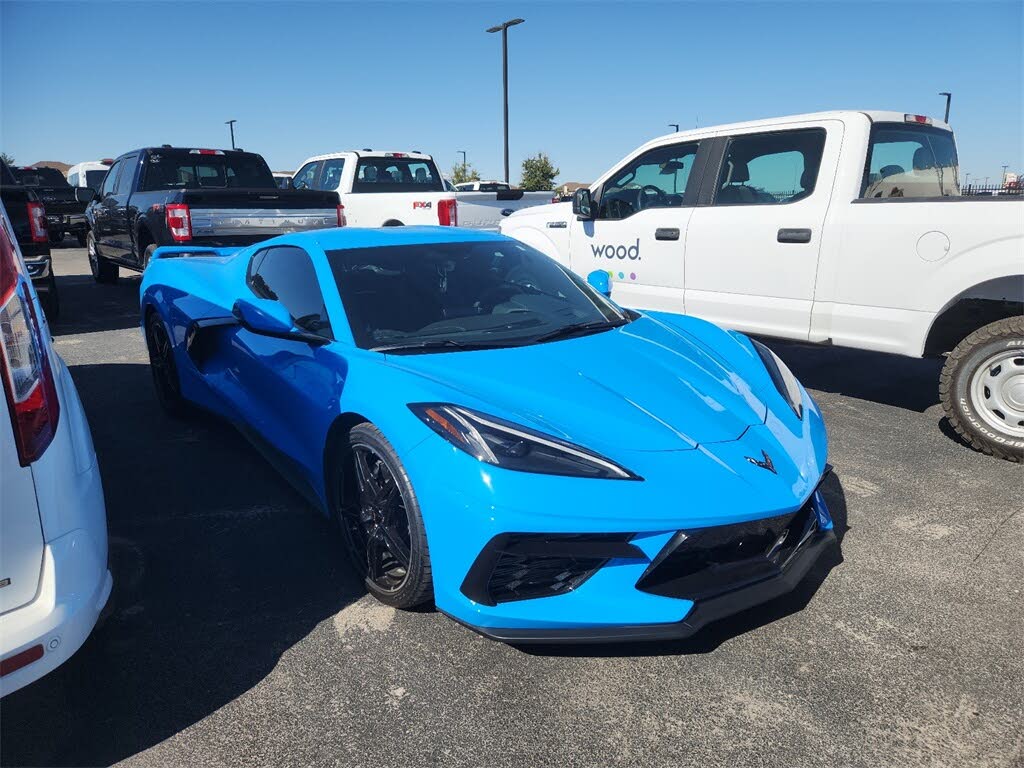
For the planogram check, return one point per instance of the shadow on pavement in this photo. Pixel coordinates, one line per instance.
(719, 632)
(903, 382)
(88, 307)
(219, 567)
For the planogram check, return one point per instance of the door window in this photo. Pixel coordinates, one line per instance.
(911, 161)
(126, 176)
(655, 179)
(770, 168)
(330, 176)
(111, 178)
(306, 176)
(286, 274)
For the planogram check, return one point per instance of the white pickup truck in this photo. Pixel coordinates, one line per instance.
(381, 189)
(842, 228)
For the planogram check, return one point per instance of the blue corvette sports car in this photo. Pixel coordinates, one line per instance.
(492, 433)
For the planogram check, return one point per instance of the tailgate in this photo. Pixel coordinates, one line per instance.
(21, 533)
(259, 213)
(409, 208)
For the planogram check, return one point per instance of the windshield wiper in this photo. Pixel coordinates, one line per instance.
(576, 329)
(429, 344)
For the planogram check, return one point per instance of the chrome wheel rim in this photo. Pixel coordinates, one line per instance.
(376, 523)
(90, 244)
(997, 392)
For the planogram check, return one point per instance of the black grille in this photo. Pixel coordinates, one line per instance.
(705, 562)
(520, 566)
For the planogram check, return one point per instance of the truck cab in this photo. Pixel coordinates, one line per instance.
(381, 189)
(843, 228)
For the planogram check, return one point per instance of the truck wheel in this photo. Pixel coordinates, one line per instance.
(56, 236)
(982, 389)
(147, 255)
(51, 301)
(102, 270)
(81, 239)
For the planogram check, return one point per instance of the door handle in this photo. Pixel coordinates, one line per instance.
(794, 236)
(666, 233)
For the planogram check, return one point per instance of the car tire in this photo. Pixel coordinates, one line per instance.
(50, 300)
(147, 255)
(82, 239)
(982, 389)
(56, 238)
(379, 518)
(102, 270)
(166, 381)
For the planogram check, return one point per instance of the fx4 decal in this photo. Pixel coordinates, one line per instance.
(419, 204)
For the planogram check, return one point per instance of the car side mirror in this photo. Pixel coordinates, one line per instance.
(84, 195)
(269, 318)
(583, 204)
(600, 282)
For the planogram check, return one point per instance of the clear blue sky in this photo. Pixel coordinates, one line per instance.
(589, 81)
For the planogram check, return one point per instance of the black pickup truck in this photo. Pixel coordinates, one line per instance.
(208, 197)
(28, 217)
(65, 209)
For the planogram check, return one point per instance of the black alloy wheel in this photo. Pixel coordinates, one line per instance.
(161, 364)
(380, 521)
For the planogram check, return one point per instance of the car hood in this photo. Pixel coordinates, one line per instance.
(645, 386)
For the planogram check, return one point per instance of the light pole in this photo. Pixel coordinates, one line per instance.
(1002, 179)
(674, 126)
(231, 125)
(949, 97)
(463, 153)
(503, 28)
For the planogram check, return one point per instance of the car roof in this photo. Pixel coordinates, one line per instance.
(358, 237)
(367, 153)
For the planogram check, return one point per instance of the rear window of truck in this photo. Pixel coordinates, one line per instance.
(396, 174)
(184, 170)
(906, 160)
(40, 177)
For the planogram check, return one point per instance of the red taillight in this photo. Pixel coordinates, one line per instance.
(19, 660)
(37, 222)
(179, 222)
(447, 216)
(917, 119)
(206, 151)
(556, 199)
(24, 359)
(341, 216)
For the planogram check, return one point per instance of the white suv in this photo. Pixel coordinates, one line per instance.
(54, 580)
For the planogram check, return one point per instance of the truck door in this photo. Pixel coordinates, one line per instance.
(752, 252)
(120, 235)
(103, 210)
(639, 233)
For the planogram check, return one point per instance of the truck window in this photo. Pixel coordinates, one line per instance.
(182, 169)
(40, 177)
(111, 177)
(124, 181)
(656, 179)
(330, 176)
(910, 161)
(305, 176)
(396, 174)
(770, 168)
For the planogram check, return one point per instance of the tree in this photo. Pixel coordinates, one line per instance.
(538, 173)
(463, 172)
(6, 158)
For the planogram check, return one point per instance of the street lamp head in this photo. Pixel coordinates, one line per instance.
(506, 25)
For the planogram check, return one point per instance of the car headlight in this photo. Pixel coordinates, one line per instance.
(782, 377)
(513, 446)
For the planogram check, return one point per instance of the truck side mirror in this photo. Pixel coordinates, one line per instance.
(600, 282)
(84, 195)
(583, 205)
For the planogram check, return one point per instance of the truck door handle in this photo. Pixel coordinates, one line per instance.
(794, 236)
(666, 233)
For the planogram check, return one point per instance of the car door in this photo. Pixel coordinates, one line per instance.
(120, 236)
(287, 390)
(752, 253)
(103, 210)
(638, 237)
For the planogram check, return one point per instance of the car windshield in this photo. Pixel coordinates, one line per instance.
(41, 177)
(177, 169)
(464, 294)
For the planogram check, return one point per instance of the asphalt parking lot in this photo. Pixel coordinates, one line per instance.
(238, 635)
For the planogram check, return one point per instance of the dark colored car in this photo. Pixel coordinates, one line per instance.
(28, 217)
(65, 206)
(208, 197)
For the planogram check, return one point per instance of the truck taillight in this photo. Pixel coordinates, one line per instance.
(341, 215)
(921, 119)
(24, 358)
(447, 216)
(37, 222)
(179, 222)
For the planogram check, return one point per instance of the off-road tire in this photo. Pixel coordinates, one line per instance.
(1001, 338)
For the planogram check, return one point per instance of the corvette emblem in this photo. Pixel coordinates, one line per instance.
(766, 464)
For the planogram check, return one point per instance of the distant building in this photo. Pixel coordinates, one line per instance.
(566, 189)
(62, 167)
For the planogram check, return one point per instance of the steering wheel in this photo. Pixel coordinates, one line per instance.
(649, 194)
